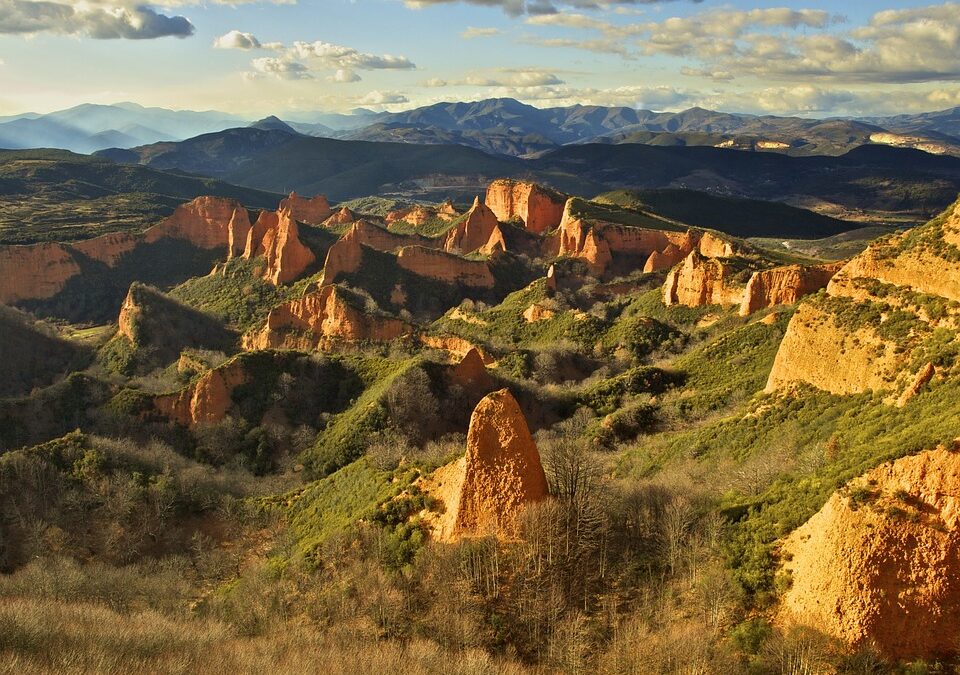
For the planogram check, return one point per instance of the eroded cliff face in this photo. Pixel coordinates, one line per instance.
(880, 315)
(471, 372)
(598, 244)
(39, 271)
(479, 231)
(700, 281)
(785, 285)
(539, 208)
(881, 561)
(34, 271)
(321, 317)
(486, 491)
(346, 255)
(455, 345)
(445, 267)
(276, 237)
(208, 400)
(309, 210)
(204, 222)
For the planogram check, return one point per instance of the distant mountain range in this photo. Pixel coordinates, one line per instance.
(497, 126)
(871, 183)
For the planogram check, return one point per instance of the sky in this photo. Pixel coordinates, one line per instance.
(294, 57)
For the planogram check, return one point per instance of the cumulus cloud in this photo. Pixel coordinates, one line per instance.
(337, 56)
(344, 75)
(280, 68)
(90, 19)
(384, 98)
(518, 7)
(472, 33)
(302, 60)
(515, 78)
(237, 40)
(920, 44)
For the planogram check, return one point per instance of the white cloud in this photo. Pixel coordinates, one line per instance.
(101, 21)
(280, 68)
(337, 56)
(237, 40)
(344, 75)
(384, 98)
(472, 33)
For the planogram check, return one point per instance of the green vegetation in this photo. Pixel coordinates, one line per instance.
(55, 195)
(236, 294)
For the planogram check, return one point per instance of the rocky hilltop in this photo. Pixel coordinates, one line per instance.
(486, 491)
(320, 317)
(205, 401)
(880, 563)
(538, 208)
(883, 312)
(276, 238)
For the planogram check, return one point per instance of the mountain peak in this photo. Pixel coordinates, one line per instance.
(273, 123)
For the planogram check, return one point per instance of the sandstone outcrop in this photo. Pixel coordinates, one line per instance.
(924, 375)
(207, 400)
(107, 248)
(35, 271)
(40, 271)
(456, 346)
(343, 216)
(486, 491)
(839, 341)
(204, 222)
(346, 255)
(598, 244)
(478, 230)
(539, 208)
(712, 246)
(276, 237)
(445, 267)
(537, 312)
(309, 210)
(320, 317)
(784, 285)
(471, 372)
(880, 562)
(699, 281)
(418, 214)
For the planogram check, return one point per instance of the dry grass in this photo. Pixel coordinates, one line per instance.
(40, 636)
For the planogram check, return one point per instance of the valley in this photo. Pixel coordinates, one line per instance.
(536, 427)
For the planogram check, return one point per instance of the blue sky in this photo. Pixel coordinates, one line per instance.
(290, 58)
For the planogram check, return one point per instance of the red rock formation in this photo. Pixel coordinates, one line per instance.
(785, 285)
(276, 237)
(445, 267)
(36, 271)
(319, 317)
(107, 248)
(700, 281)
(486, 492)
(206, 401)
(203, 222)
(127, 320)
(341, 217)
(455, 345)
(664, 260)
(471, 373)
(713, 246)
(478, 231)
(237, 232)
(819, 337)
(346, 255)
(447, 211)
(577, 239)
(885, 569)
(537, 312)
(309, 210)
(540, 209)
